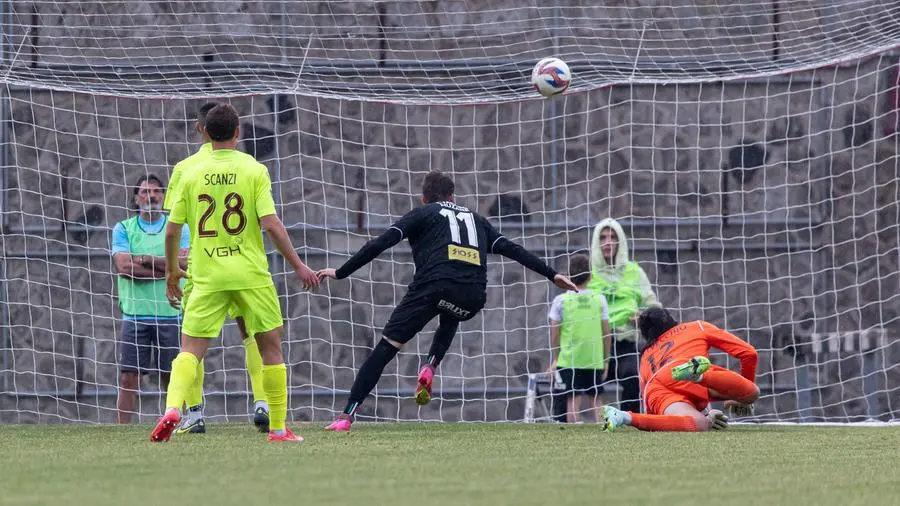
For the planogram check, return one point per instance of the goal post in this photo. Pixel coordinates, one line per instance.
(747, 148)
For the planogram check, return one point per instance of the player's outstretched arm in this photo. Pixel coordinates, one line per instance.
(275, 228)
(366, 254)
(511, 250)
(500, 245)
(406, 226)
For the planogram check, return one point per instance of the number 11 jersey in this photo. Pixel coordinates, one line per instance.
(222, 200)
(448, 242)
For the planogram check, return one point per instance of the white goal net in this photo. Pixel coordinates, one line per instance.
(748, 148)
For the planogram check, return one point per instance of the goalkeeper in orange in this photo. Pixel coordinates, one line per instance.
(678, 382)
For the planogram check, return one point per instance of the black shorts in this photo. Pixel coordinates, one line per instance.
(582, 381)
(149, 345)
(453, 301)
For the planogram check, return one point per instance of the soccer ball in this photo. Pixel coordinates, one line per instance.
(551, 76)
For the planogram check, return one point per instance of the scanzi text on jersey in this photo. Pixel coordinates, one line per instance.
(220, 179)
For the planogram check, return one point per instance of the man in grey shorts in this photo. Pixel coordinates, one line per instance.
(151, 327)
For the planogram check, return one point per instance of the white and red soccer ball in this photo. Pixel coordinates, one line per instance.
(551, 76)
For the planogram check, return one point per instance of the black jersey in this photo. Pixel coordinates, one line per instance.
(448, 242)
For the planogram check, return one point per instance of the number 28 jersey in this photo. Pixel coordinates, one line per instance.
(448, 242)
(222, 200)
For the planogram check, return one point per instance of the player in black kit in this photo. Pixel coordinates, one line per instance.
(450, 244)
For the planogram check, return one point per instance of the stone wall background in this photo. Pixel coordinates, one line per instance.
(810, 244)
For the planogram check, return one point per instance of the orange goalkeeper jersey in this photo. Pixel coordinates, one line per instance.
(683, 342)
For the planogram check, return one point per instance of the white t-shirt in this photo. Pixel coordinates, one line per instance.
(556, 307)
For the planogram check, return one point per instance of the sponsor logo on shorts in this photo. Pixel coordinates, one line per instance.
(454, 309)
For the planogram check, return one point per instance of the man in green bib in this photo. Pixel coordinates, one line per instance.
(150, 328)
(627, 290)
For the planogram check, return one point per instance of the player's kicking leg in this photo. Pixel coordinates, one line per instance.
(410, 316)
(443, 338)
(456, 304)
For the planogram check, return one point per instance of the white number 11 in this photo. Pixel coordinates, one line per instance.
(452, 218)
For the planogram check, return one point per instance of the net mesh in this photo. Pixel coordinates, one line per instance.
(766, 204)
(459, 51)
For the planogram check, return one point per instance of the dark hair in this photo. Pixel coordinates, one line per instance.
(654, 322)
(203, 111)
(437, 187)
(146, 177)
(222, 122)
(579, 268)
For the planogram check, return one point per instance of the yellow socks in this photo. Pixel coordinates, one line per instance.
(254, 369)
(194, 395)
(275, 384)
(184, 370)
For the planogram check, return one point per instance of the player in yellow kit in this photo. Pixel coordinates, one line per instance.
(192, 422)
(226, 202)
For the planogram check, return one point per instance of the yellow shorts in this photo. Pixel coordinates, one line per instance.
(234, 312)
(205, 312)
(185, 292)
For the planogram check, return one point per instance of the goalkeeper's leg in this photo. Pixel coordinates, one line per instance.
(678, 417)
(729, 385)
(738, 392)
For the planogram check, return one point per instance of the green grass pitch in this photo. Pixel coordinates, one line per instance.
(449, 464)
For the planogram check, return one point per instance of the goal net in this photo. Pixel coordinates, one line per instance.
(748, 149)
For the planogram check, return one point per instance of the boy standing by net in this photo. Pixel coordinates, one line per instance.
(227, 202)
(580, 341)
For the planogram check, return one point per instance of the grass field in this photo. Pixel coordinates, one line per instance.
(444, 464)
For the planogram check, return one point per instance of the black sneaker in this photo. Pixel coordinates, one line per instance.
(261, 419)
